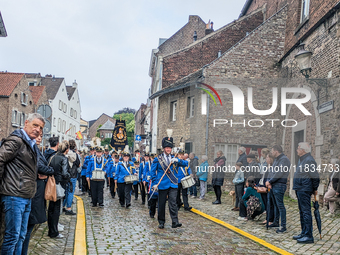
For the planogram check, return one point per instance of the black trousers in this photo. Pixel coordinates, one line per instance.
(153, 204)
(239, 190)
(84, 185)
(124, 193)
(97, 192)
(171, 193)
(184, 196)
(107, 180)
(218, 192)
(112, 187)
(142, 191)
(53, 218)
(135, 190)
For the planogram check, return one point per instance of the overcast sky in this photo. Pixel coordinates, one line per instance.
(103, 44)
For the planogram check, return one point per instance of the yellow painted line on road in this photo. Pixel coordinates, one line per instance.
(80, 235)
(243, 233)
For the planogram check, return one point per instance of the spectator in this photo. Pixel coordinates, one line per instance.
(18, 172)
(80, 156)
(251, 203)
(239, 185)
(218, 176)
(263, 173)
(59, 162)
(202, 174)
(253, 168)
(193, 165)
(332, 194)
(306, 183)
(38, 205)
(186, 157)
(74, 163)
(269, 204)
(277, 182)
(54, 143)
(242, 156)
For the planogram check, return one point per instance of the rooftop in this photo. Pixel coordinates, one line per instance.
(36, 92)
(52, 85)
(3, 32)
(108, 125)
(8, 81)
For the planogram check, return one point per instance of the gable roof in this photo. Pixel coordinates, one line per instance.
(70, 90)
(245, 8)
(36, 92)
(8, 81)
(108, 125)
(52, 85)
(3, 32)
(91, 122)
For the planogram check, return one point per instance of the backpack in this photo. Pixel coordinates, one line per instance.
(253, 205)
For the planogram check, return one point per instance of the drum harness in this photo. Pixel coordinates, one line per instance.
(95, 165)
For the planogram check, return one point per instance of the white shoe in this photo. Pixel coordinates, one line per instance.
(242, 218)
(59, 236)
(329, 214)
(60, 227)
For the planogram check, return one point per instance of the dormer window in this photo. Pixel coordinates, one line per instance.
(304, 10)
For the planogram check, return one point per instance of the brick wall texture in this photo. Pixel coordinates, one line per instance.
(202, 52)
(100, 121)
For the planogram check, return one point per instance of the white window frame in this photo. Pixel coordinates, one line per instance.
(75, 114)
(15, 118)
(174, 109)
(192, 107)
(59, 125)
(230, 152)
(61, 105)
(54, 122)
(304, 10)
(24, 98)
(65, 108)
(71, 112)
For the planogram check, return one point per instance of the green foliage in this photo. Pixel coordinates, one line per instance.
(105, 142)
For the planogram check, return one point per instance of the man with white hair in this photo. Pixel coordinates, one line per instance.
(18, 174)
(306, 182)
(242, 156)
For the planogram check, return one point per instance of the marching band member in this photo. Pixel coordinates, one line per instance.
(136, 183)
(165, 181)
(107, 157)
(113, 167)
(152, 201)
(146, 172)
(182, 172)
(85, 183)
(123, 169)
(97, 165)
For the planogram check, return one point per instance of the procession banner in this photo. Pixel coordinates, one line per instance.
(119, 137)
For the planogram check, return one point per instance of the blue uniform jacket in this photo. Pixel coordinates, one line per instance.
(140, 173)
(306, 177)
(85, 164)
(90, 166)
(146, 171)
(157, 173)
(180, 174)
(113, 168)
(121, 172)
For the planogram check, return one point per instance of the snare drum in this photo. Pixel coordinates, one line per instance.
(98, 175)
(187, 182)
(130, 178)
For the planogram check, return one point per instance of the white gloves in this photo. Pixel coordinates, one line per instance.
(174, 160)
(155, 187)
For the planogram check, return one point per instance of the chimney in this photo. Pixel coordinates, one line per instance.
(209, 28)
(195, 36)
(74, 84)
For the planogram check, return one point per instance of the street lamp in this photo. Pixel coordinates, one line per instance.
(304, 60)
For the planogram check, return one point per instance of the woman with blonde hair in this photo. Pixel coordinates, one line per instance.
(59, 163)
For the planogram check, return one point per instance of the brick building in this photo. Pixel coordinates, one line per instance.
(94, 124)
(105, 131)
(16, 102)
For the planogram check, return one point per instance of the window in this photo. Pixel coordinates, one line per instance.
(191, 107)
(22, 119)
(24, 98)
(54, 122)
(64, 126)
(61, 105)
(75, 114)
(304, 10)
(229, 151)
(108, 135)
(71, 112)
(173, 109)
(32, 83)
(65, 108)
(59, 125)
(70, 130)
(15, 118)
(188, 147)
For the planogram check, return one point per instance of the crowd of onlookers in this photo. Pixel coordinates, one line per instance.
(260, 184)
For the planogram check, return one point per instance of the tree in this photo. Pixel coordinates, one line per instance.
(126, 110)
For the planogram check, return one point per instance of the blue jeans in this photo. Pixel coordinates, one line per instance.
(279, 207)
(69, 193)
(193, 190)
(305, 213)
(17, 211)
(27, 239)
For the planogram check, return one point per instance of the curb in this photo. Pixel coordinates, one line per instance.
(80, 232)
(243, 233)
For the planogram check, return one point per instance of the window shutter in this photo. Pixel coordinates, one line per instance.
(22, 97)
(13, 116)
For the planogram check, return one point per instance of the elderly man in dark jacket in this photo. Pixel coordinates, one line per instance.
(242, 156)
(277, 183)
(18, 173)
(306, 183)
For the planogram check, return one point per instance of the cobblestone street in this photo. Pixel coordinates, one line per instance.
(117, 230)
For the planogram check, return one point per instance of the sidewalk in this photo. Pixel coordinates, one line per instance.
(42, 244)
(330, 243)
